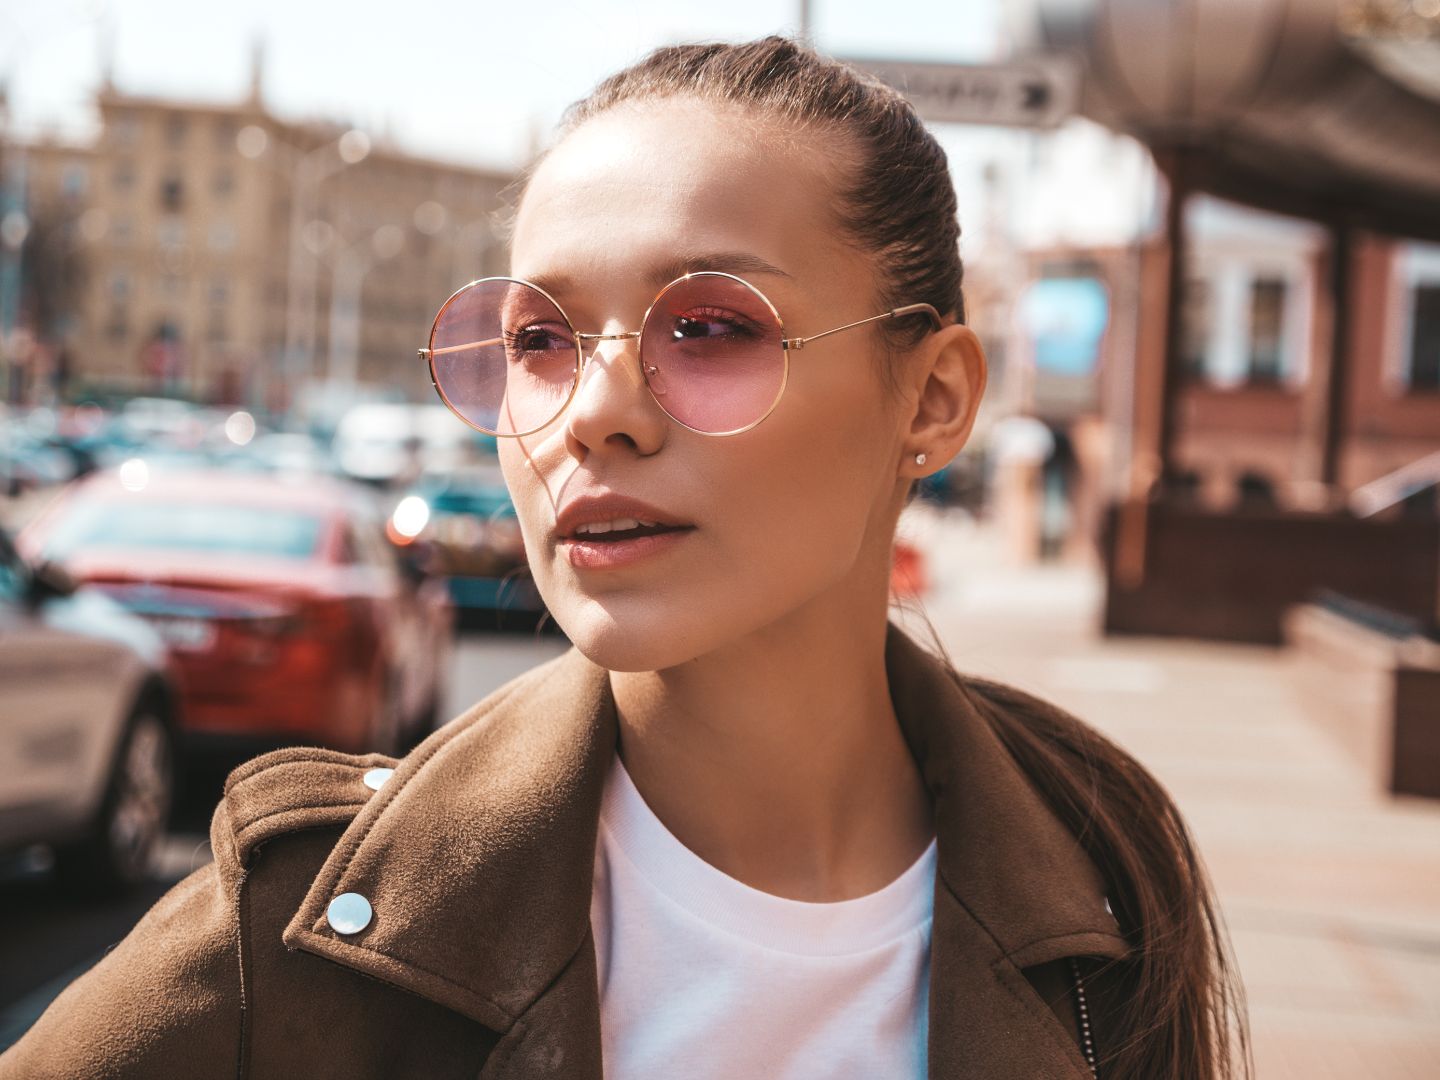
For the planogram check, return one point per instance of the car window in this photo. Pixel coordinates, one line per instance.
(14, 576)
(188, 526)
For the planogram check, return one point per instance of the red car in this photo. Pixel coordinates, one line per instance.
(290, 616)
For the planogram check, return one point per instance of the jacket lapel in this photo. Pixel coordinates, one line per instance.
(477, 858)
(1013, 888)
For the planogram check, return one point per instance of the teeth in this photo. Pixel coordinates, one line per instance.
(615, 525)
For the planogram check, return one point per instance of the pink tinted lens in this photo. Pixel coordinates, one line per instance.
(503, 357)
(712, 353)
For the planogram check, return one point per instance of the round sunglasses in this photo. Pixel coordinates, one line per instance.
(507, 360)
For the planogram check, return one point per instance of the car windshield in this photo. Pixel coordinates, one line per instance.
(189, 526)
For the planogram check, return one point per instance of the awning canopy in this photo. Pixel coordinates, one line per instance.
(1270, 103)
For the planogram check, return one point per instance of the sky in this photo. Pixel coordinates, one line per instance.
(469, 81)
(482, 82)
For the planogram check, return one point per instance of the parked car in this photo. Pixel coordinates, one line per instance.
(281, 451)
(468, 523)
(30, 463)
(389, 444)
(290, 616)
(88, 727)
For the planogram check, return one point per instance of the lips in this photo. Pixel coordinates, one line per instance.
(611, 518)
(606, 534)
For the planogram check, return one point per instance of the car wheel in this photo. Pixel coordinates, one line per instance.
(119, 849)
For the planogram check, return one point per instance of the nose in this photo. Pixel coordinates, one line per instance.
(613, 405)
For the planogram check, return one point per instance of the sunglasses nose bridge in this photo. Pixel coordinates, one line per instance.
(629, 334)
(589, 351)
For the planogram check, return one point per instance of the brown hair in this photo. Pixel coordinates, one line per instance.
(900, 204)
(1181, 992)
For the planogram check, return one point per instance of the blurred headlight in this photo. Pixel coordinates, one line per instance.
(411, 516)
(134, 474)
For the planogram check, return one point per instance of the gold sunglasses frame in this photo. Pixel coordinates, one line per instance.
(786, 344)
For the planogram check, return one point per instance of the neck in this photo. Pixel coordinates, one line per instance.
(778, 758)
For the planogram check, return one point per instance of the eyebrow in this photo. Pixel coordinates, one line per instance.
(732, 262)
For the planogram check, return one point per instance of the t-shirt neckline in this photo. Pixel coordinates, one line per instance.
(826, 928)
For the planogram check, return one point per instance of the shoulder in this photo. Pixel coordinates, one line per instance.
(168, 999)
(291, 790)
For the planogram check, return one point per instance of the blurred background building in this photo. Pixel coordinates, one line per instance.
(215, 252)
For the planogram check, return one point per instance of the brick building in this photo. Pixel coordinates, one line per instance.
(229, 255)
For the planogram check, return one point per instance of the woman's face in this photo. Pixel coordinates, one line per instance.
(779, 517)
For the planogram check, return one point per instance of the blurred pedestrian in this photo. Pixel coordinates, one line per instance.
(746, 827)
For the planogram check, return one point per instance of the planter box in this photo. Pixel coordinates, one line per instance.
(1375, 687)
(1229, 576)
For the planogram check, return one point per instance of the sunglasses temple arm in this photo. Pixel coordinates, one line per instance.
(425, 354)
(909, 309)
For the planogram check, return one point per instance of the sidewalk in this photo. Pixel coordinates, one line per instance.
(1330, 889)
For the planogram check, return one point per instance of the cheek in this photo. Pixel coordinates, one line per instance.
(808, 483)
(528, 491)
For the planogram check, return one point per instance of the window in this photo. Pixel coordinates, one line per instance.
(1254, 324)
(119, 287)
(1425, 337)
(224, 182)
(1267, 329)
(125, 129)
(123, 178)
(171, 193)
(170, 233)
(117, 327)
(1242, 324)
(1414, 350)
(175, 127)
(74, 179)
(221, 236)
(1196, 317)
(14, 576)
(191, 526)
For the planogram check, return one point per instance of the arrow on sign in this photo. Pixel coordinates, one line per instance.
(1038, 93)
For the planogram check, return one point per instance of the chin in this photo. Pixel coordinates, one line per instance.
(650, 630)
(632, 633)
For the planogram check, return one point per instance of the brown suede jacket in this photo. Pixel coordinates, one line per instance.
(476, 858)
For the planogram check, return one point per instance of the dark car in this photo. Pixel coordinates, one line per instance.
(467, 523)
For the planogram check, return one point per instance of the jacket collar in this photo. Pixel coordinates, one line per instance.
(477, 858)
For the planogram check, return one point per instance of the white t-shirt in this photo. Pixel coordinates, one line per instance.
(702, 976)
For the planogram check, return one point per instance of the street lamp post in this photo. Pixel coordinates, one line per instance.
(313, 167)
(348, 278)
(306, 170)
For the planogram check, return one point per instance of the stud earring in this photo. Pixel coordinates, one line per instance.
(919, 459)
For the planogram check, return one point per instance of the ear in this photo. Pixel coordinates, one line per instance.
(950, 381)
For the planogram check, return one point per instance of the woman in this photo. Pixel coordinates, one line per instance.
(745, 827)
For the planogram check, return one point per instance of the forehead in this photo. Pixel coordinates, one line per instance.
(630, 190)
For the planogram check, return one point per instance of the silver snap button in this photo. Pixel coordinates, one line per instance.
(348, 913)
(376, 777)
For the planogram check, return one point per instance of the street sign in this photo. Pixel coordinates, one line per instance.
(1037, 93)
